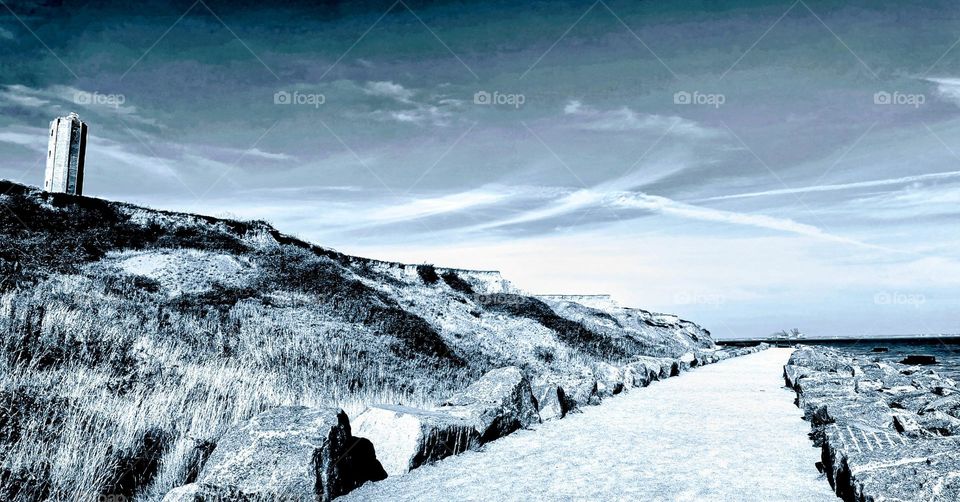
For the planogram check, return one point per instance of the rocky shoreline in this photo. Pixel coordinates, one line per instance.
(300, 453)
(888, 431)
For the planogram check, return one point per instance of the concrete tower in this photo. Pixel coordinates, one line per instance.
(65, 151)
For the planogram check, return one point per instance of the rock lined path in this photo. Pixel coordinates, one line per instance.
(726, 432)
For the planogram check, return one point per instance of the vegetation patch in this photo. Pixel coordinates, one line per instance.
(456, 283)
(428, 273)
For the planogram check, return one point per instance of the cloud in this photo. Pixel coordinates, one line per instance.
(688, 211)
(60, 97)
(948, 88)
(389, 90)
(401, 105)
(610, 200)
(22, 95)
(256, 152)
(841, 186)
(33, 138)
(625, 119)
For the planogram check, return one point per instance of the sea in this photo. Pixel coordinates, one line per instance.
(946, 349)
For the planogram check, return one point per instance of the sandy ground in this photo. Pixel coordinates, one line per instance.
(726, 432)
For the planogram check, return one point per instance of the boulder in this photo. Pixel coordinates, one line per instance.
(921, 359)
(792, 373)
(819, 359)
(669, 368)
(909, 399)
(939, 423)
(862, 464)
(581, 391)
(642, 373)
(406, 438)
(652, 365)
(552, 401)
(185, 493)
(609, 380)
(289, 452)
(497, 404)
(949, 405)
(687, 361)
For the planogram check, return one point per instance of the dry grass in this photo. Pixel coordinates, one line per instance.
(101, 389)
(112, 383)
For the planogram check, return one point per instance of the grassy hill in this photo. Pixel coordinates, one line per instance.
(132, 338)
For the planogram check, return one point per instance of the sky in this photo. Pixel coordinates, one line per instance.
(752, 166)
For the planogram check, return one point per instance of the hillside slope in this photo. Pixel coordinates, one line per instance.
(132, 338)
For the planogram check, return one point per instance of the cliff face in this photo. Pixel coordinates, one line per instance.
(132, 338)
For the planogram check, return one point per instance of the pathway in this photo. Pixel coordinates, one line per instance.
(723, 432)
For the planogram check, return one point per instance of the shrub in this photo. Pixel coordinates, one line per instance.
(456, 283)
(571, 332)
(428, 273)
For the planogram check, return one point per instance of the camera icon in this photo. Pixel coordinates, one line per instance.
(281, 98)
(482, 98)
(82, 98)
(682, 98)
(882, 98)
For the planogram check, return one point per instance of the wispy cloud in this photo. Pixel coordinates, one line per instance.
(671, 207)
(625, 119)
(841, 186)
(948, 88)
(59, 98)
(23, 96)
(411, 106)
(32, 138)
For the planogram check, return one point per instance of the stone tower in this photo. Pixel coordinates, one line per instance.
(65, 151)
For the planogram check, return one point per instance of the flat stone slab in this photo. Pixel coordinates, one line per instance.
(725, 431)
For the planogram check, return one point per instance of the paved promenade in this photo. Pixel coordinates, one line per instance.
(725, 432)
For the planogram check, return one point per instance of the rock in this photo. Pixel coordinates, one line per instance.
(630, 377)
(406, 438)
(865, 465)
(792, 373)
(949, 405)
(291, 451)
(185, 493)
(906, 423)
(687, 361)
(885, 432)
(919, 359)
(909, 399)
(497, 404)
(939, 423)
(669, 368)
(854, 409)
(643, 373)
(943, 390)
(581, 391)
(552, 402)
(819, 359)
(609, 380)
